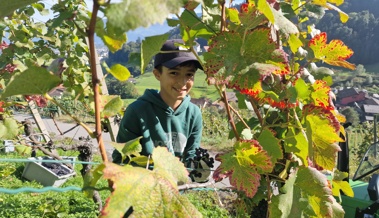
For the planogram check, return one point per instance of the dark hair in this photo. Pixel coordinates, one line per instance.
(184, 64)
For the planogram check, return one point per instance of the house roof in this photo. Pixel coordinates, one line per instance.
(371, 101)
(347, 92)
(370, 109)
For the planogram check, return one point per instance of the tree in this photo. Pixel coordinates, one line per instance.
(125, 89)
(351, 115)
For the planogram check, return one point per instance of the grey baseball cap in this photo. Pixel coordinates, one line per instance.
(173, 59)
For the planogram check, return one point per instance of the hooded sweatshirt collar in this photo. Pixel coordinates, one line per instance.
(153, 97)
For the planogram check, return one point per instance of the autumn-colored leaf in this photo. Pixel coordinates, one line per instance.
(243, 167)
(243, 177)
(324, 139)
(148, 193)
(335, 53)
(320, 94)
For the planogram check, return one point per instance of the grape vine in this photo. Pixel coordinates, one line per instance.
(265, 50)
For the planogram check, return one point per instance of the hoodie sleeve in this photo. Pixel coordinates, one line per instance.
(129, 129)
(194, 138)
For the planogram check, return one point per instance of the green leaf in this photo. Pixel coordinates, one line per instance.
(284, 25)
(150, 47)
(150, 193)
(23, 149)
(112, 37)
(30, 82)
(118, 71)
(7, 7)
(271, 144)
(129, 14)
(294, 42)
(287, 203)
(8, 128)
(91, 179)
(303, 91)
(112, 107)
(132, 147)
(296, 142)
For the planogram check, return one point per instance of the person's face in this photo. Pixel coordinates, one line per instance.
(175, 83)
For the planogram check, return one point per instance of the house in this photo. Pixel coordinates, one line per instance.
(370, 111)
(230, 96)
(349, 96)
(201, 102)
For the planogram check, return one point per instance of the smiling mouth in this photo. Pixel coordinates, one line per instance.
(180, 90)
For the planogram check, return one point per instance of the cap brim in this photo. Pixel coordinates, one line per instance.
(180, 60)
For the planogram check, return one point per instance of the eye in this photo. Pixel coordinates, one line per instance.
(174, 73)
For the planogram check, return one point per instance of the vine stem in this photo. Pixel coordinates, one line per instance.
(231, 121)
(95, 79)
(239, 117)
(256, 111)
(90, 132)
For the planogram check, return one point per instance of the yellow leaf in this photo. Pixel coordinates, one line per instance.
(294, 43)
(265, 8)
(335, 53)
(344, 186)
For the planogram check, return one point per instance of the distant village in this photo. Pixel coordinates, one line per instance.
(365, 104)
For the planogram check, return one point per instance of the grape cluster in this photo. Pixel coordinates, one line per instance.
(58, 169)
(202, 155)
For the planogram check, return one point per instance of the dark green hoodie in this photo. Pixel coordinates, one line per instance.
(159, 125)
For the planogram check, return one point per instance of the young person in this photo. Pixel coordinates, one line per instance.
(166, 117)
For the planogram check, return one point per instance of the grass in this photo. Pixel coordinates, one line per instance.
(200, 88)
(47, 204)
(70, 204)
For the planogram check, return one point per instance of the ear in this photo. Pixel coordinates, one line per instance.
(157, 74)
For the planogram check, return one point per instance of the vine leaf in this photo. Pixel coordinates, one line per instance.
(335, 53)
(112, 37)
(132, 147)
(338, 184)
(243, 167)
(297, 143)
(271, 144)
(320, 94)
(149, 193)
(306, 194)
(126, 15)
(118, 71)
(110, 105)
(151, 46)
(29, 82)
(8, 128)
(7, 7)
(323, 137)
(318, 193)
